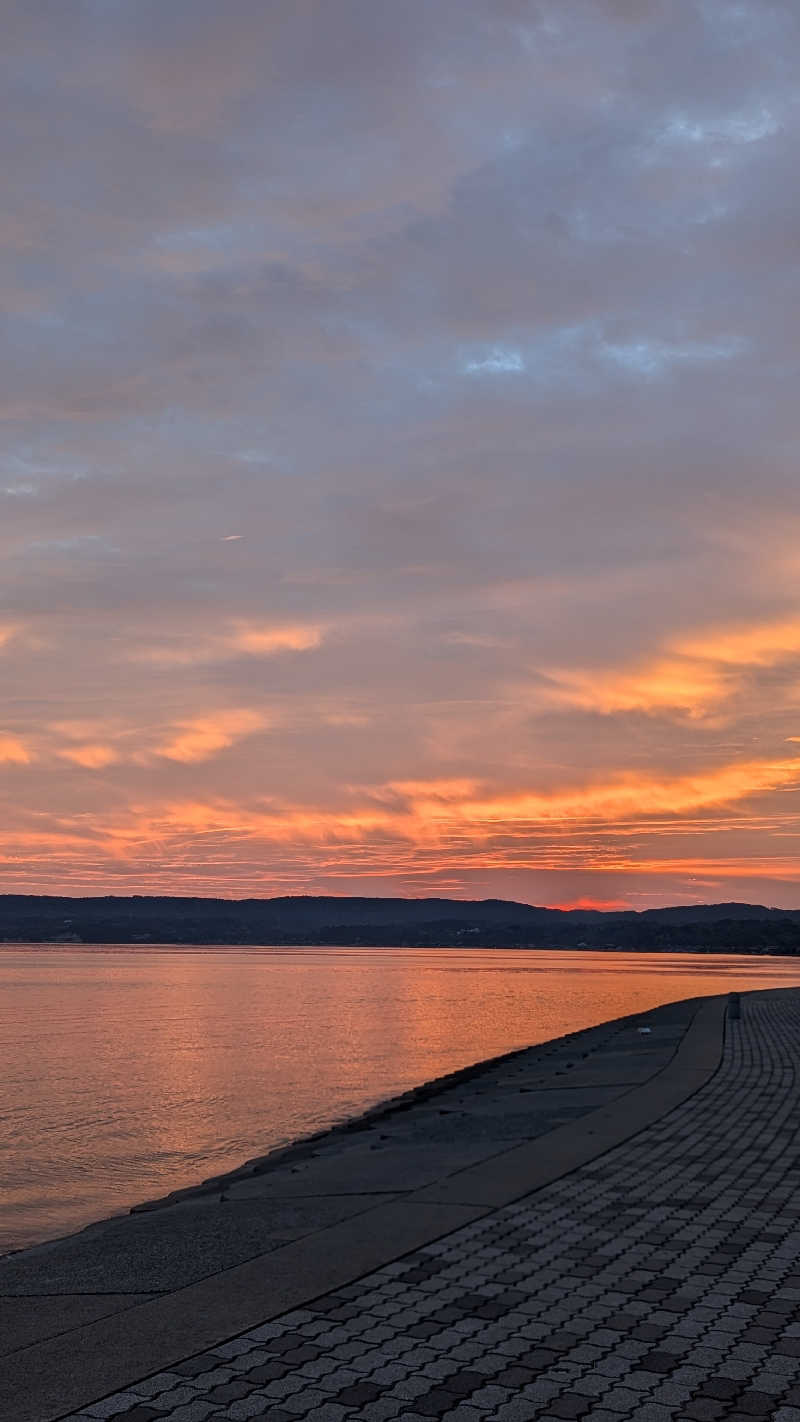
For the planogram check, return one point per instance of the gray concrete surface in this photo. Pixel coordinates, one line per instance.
(167, 1250)
(25, 1320)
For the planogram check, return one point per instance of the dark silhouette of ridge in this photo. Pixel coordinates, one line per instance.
(308, 919)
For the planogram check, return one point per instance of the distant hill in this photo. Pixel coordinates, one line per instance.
(715, 913)
(731, 927)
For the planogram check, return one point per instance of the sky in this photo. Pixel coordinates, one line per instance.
(399, 451)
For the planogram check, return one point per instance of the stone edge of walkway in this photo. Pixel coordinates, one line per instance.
(58, 1376)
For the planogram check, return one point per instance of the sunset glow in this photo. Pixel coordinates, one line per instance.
(399, 486)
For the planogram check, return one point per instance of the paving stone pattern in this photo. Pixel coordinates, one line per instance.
(659, 1282)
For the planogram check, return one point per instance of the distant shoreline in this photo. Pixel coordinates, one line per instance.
(719, 951)
(308, 921)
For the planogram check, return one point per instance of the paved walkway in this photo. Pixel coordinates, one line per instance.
(658, 1281)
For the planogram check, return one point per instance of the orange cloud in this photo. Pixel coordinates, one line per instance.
(756, 644)
(13, 751)
(668, 684)
(630, 795)
(91, 757)
(266, 641)
(694, 674)
(423, 816)
(188, 652)
(409, 832)
(251, 638)
(755, 867)
(203, 736)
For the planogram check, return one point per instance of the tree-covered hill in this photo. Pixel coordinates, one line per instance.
(705, 928)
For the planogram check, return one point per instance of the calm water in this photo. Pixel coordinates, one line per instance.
(130, 1071)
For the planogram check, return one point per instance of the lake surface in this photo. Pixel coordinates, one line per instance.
(128, 1072)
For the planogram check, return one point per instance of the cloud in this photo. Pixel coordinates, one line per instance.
(443, 792)
(266, 641)
(759, 644)
(632, 795)
(694, 675)
(14, 751)
(665, 685)
(417, 812)
(747, 127)
(203, 736)
(408, 836)
(653, 357)
(498, 361)
(90, 757)
(467, 322)
(781, 868)
(245, 638)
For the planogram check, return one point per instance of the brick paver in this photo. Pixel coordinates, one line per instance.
(659, 1283)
